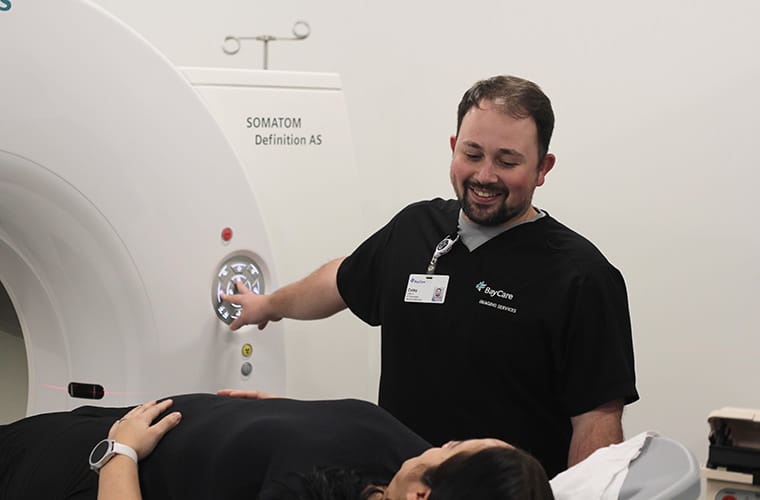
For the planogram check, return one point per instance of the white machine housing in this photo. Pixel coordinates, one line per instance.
(116, 184)
(121, 179)
(291, 131)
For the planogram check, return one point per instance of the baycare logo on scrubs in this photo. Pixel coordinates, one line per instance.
(482, 287)
(5, 5)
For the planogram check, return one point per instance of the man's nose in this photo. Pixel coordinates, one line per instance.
(486, 173)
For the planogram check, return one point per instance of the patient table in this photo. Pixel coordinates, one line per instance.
(645, 467)
(665, 470)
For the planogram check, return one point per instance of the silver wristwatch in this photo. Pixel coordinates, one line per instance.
(105, 450)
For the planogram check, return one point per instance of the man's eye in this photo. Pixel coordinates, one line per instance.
(508, 164)
(472, 156)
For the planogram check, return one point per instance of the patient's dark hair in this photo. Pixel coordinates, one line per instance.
(331, 483)
(496, 473)
(489, 474)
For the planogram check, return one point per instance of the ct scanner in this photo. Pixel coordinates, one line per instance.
(131, 193)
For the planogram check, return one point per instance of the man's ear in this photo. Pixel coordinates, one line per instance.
(453, 142)
(546, 164)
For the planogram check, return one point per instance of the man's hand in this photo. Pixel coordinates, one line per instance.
(256, 308)
(314, 297)
(237, 393)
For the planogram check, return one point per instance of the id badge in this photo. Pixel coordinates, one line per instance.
(426, 288)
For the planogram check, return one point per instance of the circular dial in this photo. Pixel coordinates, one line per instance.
(235, 269)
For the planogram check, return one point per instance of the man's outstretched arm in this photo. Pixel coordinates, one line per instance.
(313, 297)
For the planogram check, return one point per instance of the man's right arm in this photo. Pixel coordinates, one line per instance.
(314, 297)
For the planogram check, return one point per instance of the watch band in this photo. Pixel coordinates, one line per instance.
(123, 449)
(104, 451)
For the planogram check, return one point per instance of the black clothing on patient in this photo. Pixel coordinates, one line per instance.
(224, 448)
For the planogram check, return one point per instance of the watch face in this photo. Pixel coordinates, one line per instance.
(100, 451)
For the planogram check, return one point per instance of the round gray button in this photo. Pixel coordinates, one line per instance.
(246, 369)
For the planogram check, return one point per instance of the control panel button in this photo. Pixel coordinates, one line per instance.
(235, 269)
(247, 350)
(246, 369)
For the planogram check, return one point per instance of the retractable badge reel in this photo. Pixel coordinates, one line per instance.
(431, 288)
(441, 249)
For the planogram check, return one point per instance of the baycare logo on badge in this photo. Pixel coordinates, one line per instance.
(5, 5)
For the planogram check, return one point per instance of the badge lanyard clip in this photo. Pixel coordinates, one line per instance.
(442, 248)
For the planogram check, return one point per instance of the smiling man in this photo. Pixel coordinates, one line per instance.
(531, 342)
(496, 165)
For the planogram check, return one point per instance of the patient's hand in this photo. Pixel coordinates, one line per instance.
(137, 430)
(237, 393)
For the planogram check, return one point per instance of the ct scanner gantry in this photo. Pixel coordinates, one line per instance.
(125, 209)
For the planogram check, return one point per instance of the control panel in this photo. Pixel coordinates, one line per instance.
(734, 494)
(237, 269)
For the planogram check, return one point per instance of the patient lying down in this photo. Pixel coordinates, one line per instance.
(203, 446)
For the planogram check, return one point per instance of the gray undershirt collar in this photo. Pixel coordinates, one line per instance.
(474, 235)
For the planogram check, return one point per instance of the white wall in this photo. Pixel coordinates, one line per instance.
(656, 107)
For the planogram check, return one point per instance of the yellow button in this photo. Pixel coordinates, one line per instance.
(247, 350)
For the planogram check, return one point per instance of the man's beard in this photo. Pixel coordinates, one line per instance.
(494, 216)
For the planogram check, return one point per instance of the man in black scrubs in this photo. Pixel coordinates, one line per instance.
(531, 342)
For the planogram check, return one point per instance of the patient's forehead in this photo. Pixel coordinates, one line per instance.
(476, 444)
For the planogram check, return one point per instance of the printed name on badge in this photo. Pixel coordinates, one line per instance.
(426, 288)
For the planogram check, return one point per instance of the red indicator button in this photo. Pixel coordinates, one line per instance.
(226, 234)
